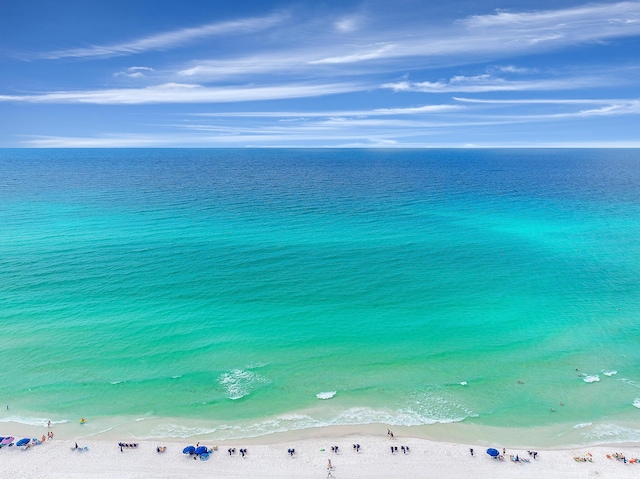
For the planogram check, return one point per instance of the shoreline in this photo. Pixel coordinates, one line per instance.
(103, 458)
(104, 429)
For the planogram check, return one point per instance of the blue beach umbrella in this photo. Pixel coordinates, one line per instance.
(201, 450)
(188, 450)
(493, 452)
(23, 442)
(204, 457)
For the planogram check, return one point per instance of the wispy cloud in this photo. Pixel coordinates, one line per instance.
(172, 39)
(609, 107)
(550, 101)
(505, 32)
(383, 48)
(489, 83)
(186, 93)
(417, 110)
(133, 72)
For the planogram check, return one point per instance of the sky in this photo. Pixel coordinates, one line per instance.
(367, 74)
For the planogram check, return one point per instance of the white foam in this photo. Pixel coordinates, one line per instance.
(631, 383)
(463, 383)
(178, 431)
(239, 383)
(636, 402)
(176, 377)
(145, 418)
(32, 421)
(609, 373)
(612, 433)
(326, 395)
(582, 425)
(591, 379)
(297, 421)
(118, 382)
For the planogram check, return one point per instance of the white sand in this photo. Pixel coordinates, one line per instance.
(427, 459)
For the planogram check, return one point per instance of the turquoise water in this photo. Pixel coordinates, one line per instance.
(234, 286)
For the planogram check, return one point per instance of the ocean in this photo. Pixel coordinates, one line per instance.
(239, 293)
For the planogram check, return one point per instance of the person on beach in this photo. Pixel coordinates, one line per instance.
(329, 466)
(471, 451)
(49, 424)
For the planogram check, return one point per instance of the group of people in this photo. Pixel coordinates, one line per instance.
(404, 449)
(232, 450)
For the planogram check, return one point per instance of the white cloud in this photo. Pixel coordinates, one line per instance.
(129, 74)
(512, 69)
(325, 114)
(368, 54)
(561, 101)
(172, 39)
(320, 52)
(347, 24)
(489, 83)
(610, 107)
(185, 93)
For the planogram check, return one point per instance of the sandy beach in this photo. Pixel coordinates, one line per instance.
(426, 458)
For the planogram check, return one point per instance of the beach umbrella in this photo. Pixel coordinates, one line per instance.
(23, 442)
(200, 450)
(188, 450)
(7, 440)
(493, 452)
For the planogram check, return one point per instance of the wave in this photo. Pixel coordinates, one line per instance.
(591, 379)
(463, 383)
(609, 373)
(356, 416)
(612, 433)
(326, 395)
(178, 431)
(582, 425)
(32, 421)
(636, 402)
(140, 419)
(118, 382)
(239, 383)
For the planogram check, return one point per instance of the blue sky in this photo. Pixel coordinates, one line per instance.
(457, 73)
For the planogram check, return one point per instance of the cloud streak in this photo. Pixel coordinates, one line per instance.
(489, 83)
(185, 93)
(418, 110)
(325, 53)
(169, 40)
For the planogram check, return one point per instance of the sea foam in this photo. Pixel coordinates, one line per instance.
(239, 383)
(609, 373)
(32, 421)
(326, 395)
(591, 379)
(636, 402)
